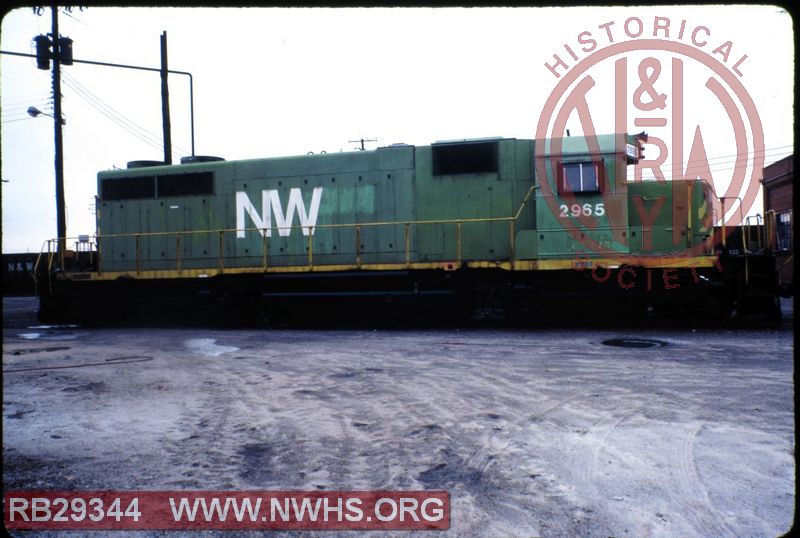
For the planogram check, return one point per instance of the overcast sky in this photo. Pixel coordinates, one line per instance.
(271, 82)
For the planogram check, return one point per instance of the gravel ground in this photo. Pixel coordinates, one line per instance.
(533, 432)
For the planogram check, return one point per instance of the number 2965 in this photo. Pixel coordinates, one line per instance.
(577, 210)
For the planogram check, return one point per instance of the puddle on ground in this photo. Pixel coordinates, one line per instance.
(51, 335)
(641, 343)
(37, 350)
(206, 346)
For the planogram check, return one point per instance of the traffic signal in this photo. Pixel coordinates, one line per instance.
(43, 51)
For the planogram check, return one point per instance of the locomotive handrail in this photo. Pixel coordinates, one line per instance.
(138, 261)
(266, 232)
(743, 234)
(770, 226)
(759, 230)
(456, 254)
(407, 240)
(50, 256)
(525, 201)
(36, 268)
(341, 225)
(301, 226)
(39, 257)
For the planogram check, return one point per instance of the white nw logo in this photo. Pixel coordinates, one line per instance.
(271, 206)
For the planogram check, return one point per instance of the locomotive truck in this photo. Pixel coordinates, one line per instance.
(446, 228)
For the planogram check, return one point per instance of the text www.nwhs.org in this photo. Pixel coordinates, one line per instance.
(320, 509)
(400, 510)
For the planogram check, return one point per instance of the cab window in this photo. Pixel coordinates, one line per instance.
(580, 177)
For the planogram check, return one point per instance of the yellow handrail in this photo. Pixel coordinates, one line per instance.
(138, 263)
(769, 229)
(407, 237)
(458, 242)
(309, 230)
(178, 251)
(346, 225)
(266, 249)
(266, 232)
(310, 251)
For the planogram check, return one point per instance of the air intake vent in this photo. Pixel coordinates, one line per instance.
(193, 183)
(192, 159)
(465, 158)
(129, 188)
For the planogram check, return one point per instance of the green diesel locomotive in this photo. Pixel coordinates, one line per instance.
(502, 223)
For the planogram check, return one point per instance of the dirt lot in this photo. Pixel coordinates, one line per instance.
(533, 432)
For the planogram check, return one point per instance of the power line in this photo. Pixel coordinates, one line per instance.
(719, 168)
(17, 119)
(121, 119)
(21, 110)
(68, 14)
(125, 66)
(23, 107)
(87, 147)
(117, 117)
(113, 115)
(23, 102)
(726, 159)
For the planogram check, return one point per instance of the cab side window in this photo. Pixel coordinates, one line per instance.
(580, 177)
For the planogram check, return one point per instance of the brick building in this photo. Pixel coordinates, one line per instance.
(778, 179)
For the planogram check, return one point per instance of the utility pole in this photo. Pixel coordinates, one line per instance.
(363, 140)
(61, 212)
(165, 102)
(59, 49)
